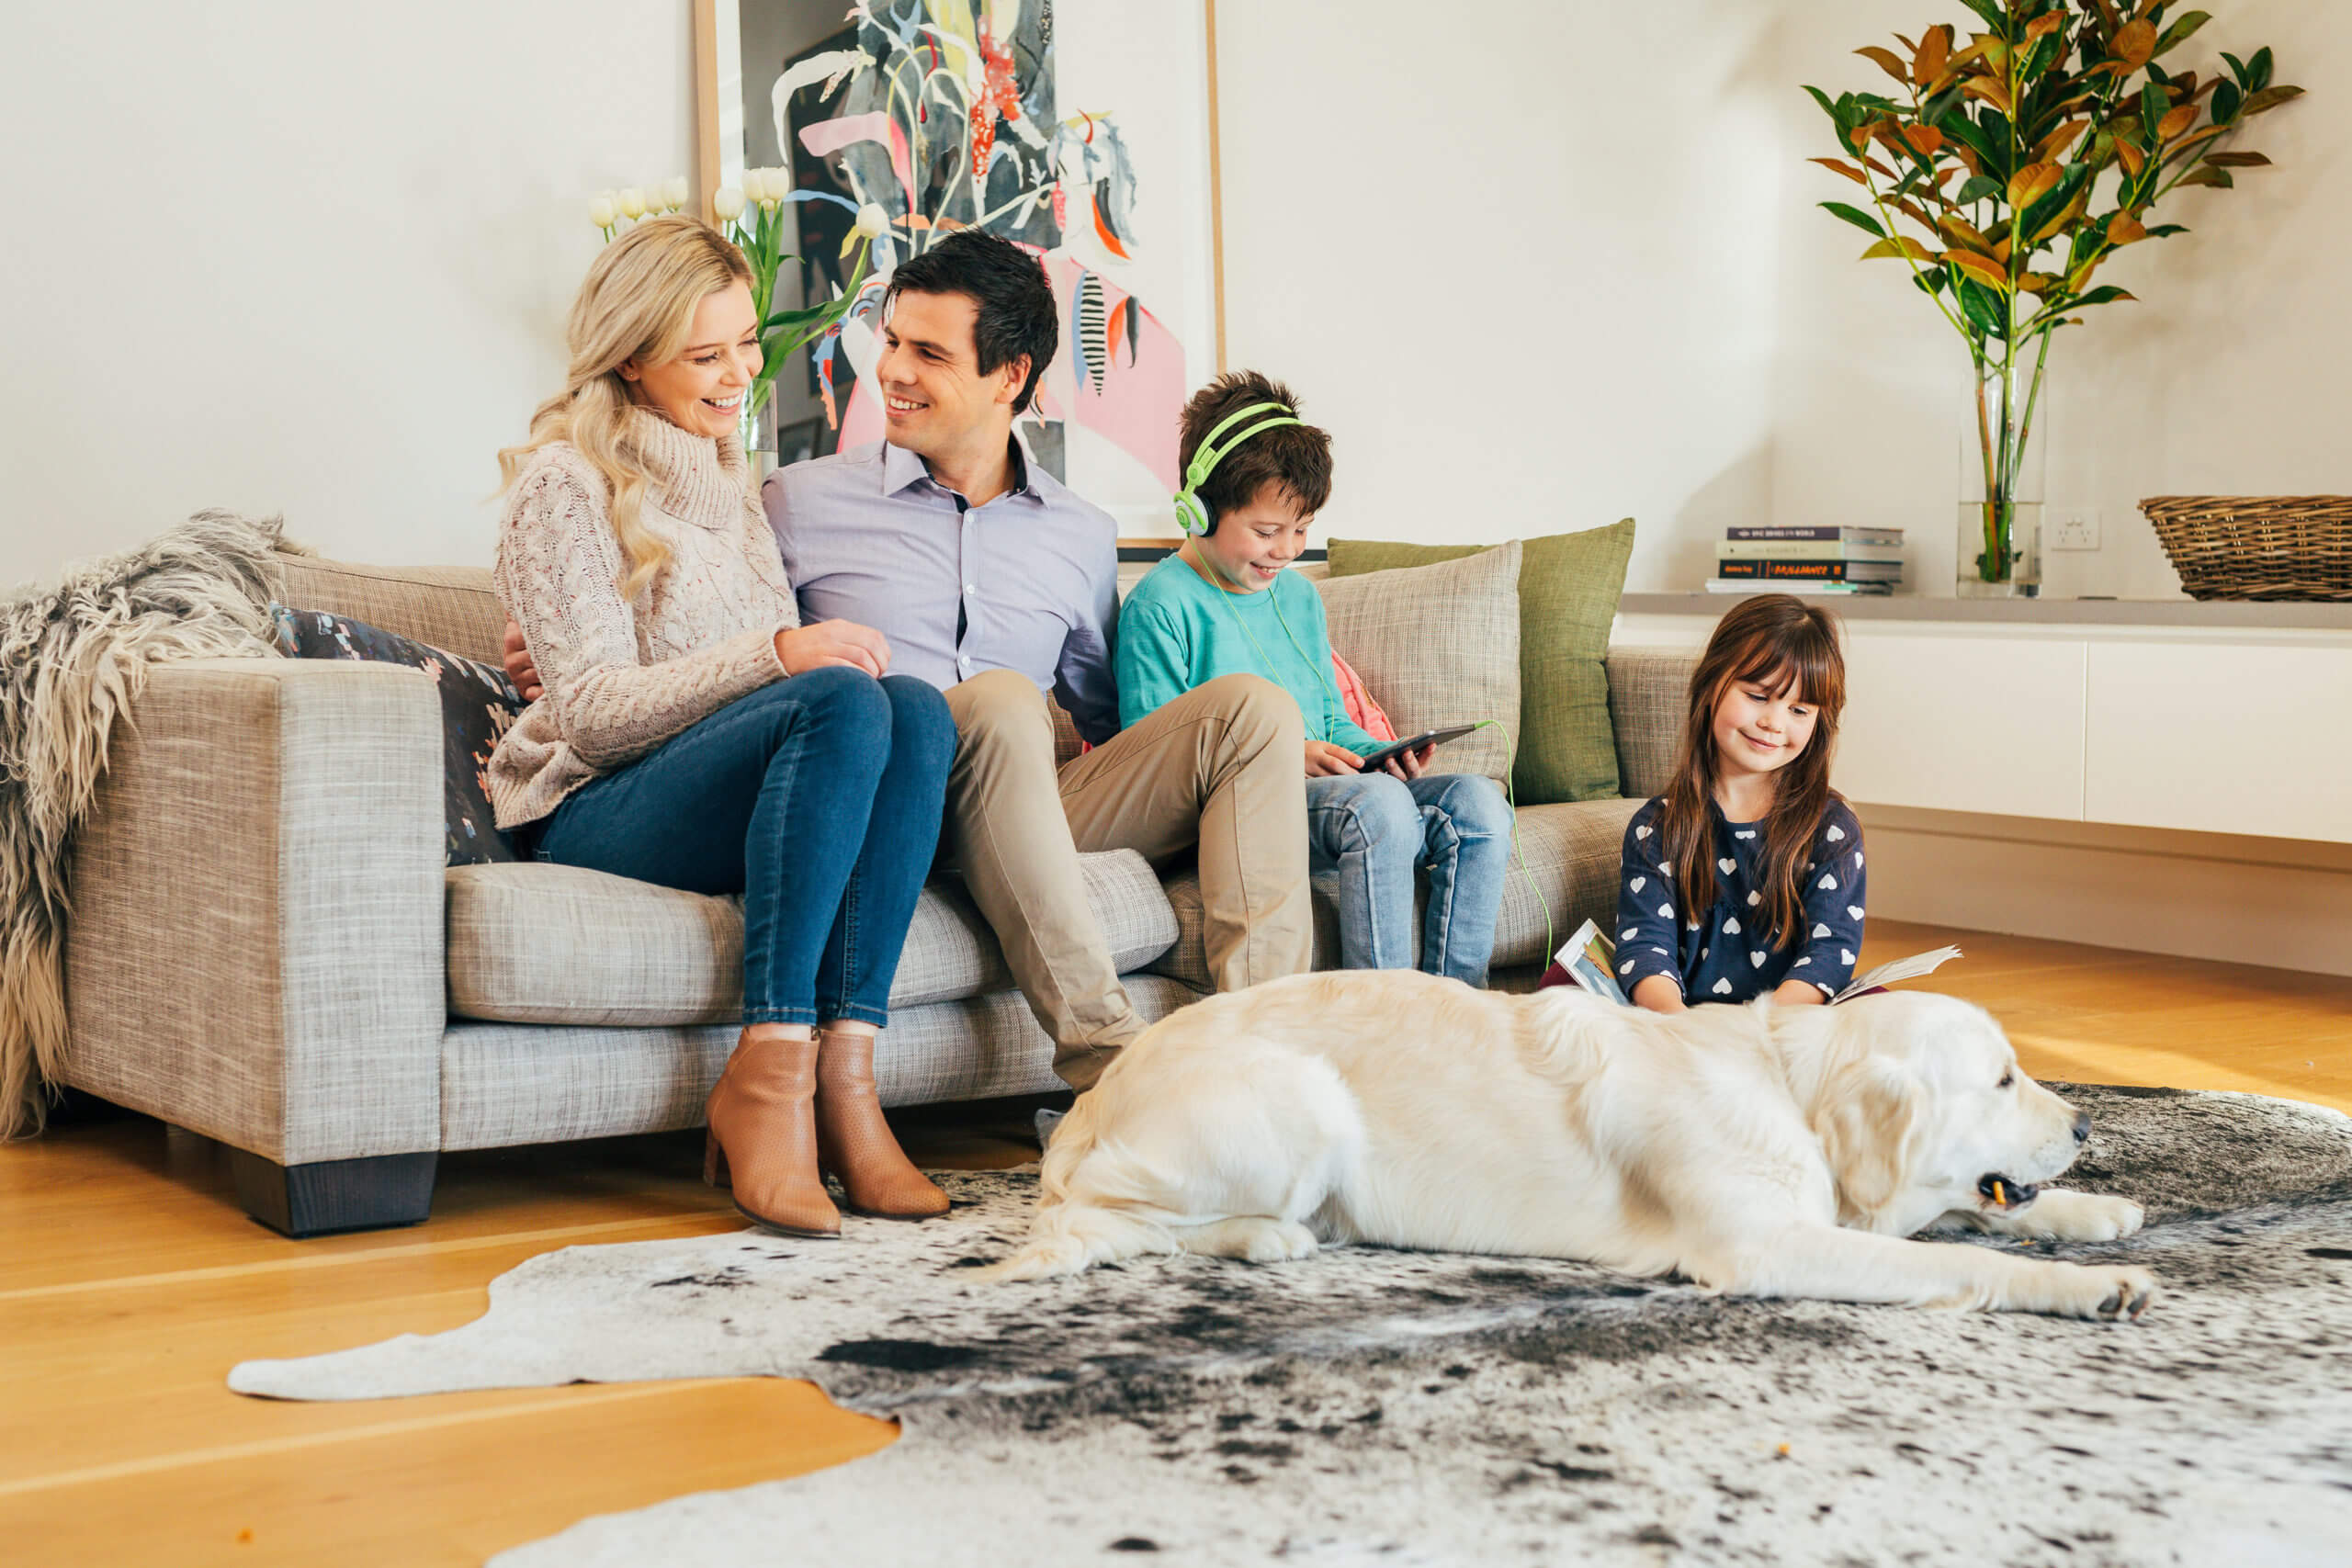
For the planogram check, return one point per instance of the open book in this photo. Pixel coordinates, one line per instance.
(1590, 959)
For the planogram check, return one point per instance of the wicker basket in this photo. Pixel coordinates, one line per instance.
(2257, 547)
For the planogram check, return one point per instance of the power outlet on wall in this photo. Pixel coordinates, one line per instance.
(2076, 529)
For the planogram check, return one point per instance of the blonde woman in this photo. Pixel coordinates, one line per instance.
(693, 733)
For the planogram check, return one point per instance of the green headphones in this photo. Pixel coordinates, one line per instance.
(1191, 515)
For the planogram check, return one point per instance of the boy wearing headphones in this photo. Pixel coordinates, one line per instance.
(1255, 476)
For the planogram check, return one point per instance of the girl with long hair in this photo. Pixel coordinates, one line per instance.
(1745, 878)
(693, 733)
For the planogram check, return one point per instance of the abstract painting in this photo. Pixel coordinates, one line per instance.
(1076, 128)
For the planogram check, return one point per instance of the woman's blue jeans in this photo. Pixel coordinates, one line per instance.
(1374, 829)
(818, 799)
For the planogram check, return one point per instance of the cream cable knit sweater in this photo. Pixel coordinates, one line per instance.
(623, 676)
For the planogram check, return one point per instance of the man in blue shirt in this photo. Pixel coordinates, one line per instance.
(993, 581)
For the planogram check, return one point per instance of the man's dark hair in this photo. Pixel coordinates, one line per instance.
(1017, 313)
(1297, 458)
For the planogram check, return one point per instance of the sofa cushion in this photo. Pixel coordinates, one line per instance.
(449, 606)
(1649, 693)
(538, 943)
(1568, 588)
(1437, 646)
(478, 704)
(518, 1083)
(1571, 850)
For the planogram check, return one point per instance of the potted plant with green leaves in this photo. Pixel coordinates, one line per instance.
(2004, 173)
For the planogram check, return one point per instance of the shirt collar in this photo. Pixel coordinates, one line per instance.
(901, 469)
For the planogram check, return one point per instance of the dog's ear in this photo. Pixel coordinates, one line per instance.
(1866, 1119)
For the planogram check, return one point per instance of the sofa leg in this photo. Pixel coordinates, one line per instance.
(303, 1201)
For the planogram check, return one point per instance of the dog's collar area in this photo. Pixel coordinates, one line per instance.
(2004, 1193)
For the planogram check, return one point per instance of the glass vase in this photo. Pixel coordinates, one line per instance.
(755, 426)
(2001, 462)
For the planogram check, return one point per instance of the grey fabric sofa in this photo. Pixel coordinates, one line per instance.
(267, 949)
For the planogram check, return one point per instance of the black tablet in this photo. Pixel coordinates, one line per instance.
(1382, 758)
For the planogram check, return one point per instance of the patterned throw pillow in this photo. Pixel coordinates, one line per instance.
(478, 701)
(1437, 646)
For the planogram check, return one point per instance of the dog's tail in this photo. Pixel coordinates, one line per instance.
(1096, 1204)
(1074, 1139)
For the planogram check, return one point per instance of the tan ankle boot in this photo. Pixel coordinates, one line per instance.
(763, 1132)
(856, 1145)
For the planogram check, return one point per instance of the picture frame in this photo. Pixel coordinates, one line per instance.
(1097, 123)
(799, 440)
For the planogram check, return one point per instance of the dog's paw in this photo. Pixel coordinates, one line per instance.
(1279, 1241)
(2096, 1217)
(1257, 1239)
(2108, 1293)
(2061, 1215)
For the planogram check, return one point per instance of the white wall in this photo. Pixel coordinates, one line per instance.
(301, 257)
(1537, 271)
(1521, 261)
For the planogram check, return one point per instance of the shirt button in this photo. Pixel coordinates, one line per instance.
(971, 588)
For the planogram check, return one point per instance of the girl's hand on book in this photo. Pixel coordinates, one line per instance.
(1798, 994)
(1325, 760)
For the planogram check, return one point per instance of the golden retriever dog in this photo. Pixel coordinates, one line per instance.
(1757, 1150)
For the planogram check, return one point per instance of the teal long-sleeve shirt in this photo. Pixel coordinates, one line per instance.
(1177, 632)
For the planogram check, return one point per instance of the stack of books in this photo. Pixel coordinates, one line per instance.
(1808, 560)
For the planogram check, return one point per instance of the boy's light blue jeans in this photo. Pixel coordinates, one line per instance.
(1374, 829)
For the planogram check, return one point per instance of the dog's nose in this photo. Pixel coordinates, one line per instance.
(2082, 1126)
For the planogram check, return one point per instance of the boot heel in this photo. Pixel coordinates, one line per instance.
(714, 1162)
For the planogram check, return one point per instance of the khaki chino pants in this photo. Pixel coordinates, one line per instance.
(1222, 768)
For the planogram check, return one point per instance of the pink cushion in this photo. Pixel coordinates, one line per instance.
(1359, 703)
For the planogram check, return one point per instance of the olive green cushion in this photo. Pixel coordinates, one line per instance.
(1568, 586)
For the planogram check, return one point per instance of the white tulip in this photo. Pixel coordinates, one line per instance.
(872, 222)
(600, 210)
(674, 192)
(728, 204)
(775, 185)
(632, 203)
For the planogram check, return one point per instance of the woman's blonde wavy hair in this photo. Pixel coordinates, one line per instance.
(637, 302)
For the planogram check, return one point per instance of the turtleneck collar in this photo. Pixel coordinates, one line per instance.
(695, 479)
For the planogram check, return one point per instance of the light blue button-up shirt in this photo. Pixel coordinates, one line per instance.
(868, 535)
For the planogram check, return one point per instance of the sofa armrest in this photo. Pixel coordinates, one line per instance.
(1649, 692)
(255, 949)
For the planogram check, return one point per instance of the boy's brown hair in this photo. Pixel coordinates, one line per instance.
(1296, 458)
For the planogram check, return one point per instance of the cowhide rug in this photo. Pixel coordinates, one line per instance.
(1374, 1407)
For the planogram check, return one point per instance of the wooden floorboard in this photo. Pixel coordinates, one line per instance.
(130, 1283)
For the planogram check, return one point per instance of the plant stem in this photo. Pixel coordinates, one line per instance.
(2033, 396)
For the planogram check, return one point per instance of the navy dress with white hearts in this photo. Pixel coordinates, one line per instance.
(1724, 957)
